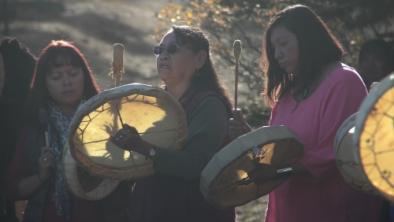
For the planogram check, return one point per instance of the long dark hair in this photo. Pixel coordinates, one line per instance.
(206, 78)
(55, 54)
(317, 46)
(19, 65)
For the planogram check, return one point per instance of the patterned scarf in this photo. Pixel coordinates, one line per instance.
(58, 131)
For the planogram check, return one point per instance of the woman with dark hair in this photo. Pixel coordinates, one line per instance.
(61, 82)
(312, 93)
(172, 194)
(16, 71)
(60, 54)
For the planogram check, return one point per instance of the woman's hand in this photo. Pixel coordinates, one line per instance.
(46, 163)
(238, 125)
(263, 173)
(128, 138)
(29, 185)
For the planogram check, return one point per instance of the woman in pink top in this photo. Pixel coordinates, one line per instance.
(312, 93)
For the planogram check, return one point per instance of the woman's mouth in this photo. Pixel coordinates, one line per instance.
(164, 66)
(68, 92)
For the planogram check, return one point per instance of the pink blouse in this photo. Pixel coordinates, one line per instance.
(321, 195)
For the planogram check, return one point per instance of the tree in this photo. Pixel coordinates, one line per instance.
(227, 20)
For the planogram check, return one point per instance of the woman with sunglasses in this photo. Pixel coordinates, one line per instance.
(172, 194)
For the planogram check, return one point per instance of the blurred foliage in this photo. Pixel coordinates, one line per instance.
(352, 21)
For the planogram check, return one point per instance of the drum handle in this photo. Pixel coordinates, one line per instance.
(120, 117)
(286, 170)
(282, 172)
(237, 48)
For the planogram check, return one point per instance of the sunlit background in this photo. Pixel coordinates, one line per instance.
(94, 25)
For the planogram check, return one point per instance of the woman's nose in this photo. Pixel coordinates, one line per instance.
(163, 55)
(67, 81)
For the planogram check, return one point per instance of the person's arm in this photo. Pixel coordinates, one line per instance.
(17, 168)
(207, 131)
(29, 185)
(21, 184)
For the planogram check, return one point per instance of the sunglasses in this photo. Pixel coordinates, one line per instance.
(170, 49)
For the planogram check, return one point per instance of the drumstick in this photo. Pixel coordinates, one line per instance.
(117, 63)
(118, 68)
(43, 119)
(237, 47)
(46, 135)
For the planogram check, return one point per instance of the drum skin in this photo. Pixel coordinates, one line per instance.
(156, 115)
(374, 136)
(222, 179)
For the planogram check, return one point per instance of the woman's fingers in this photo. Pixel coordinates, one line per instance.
(238, 125)
(126, 137)
(237, 114)
(46, 162)
(47, 157)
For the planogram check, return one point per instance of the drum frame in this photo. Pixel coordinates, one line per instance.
(96, 101)
(232, 153)
(365, 109)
